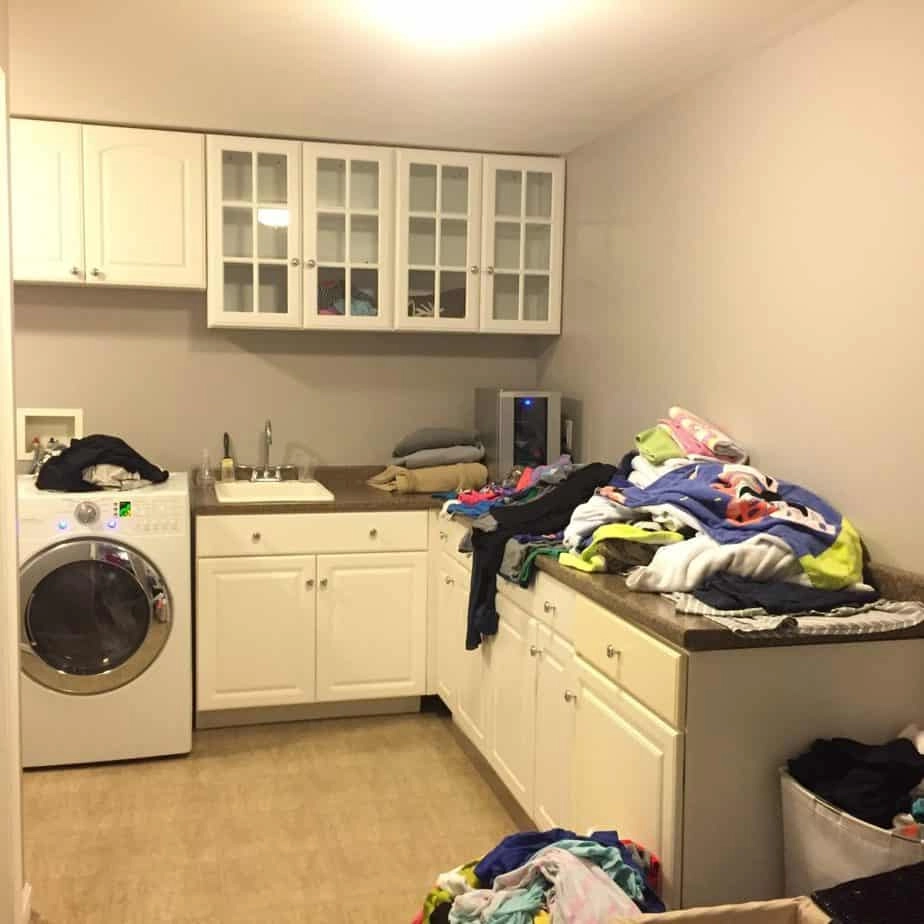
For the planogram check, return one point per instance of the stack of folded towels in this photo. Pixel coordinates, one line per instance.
(433, 460)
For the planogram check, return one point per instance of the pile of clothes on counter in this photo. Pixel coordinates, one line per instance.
(548, 876)
(434, 460)
(682, 515)
(881, 784)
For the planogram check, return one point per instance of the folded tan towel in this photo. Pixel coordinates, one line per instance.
(464, 476)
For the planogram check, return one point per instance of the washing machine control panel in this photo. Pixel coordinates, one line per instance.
(106, 514)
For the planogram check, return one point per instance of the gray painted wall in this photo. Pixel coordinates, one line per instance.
(753, 250)
(143, 365)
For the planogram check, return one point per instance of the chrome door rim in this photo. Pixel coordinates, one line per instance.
(145, 575)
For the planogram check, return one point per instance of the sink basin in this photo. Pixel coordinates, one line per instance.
(269, 492)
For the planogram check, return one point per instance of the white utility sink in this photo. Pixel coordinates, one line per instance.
(280, 492)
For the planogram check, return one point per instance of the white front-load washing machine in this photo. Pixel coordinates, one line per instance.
(105, 623)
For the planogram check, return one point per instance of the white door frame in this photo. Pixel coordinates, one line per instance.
(14, 898)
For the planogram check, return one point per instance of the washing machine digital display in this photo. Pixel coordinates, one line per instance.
(125, 509)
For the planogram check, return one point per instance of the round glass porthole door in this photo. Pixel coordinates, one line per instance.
(95, 615)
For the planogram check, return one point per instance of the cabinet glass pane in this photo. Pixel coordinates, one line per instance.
(538, 195)
(364, 239)
(364, 293)
(237, 232)
(273, 233)
(364, 184)
(507, 245)
(536, 298)
(508, 187)
(331, 238)
(455, 190)
(421, 242)
(273, 297)
(331, 290)
(538, 247)
(238, 287)
(331, 183)
(452, 295)
(422, 188)
(272, 174)
(421, 288)
(237, 176)
(453, 233)
(506, 297)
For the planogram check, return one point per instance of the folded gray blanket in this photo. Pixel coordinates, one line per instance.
(434, 438)
(449, 455)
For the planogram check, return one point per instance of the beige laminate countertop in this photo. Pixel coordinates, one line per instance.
(347, 483)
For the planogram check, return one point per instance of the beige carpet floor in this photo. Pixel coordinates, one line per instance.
(328, 822)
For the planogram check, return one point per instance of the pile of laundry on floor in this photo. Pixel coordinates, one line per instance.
(434, 460)
(682, 515)
(548, 876)
(881, 784)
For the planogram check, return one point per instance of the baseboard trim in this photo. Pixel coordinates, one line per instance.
(25, 914)
(496, 784)
(264, 715)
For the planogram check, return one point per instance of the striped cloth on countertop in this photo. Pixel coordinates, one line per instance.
(882, 616)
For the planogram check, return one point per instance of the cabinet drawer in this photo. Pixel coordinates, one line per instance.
(310, 533)
(553, 604)
(653, 672)
(450, 533)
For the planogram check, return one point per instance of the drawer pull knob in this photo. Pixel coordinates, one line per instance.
(611, 651)
(570, 697)
(324, 582)
(449, 580)
(373, 533)
(309, 583)
(549, 607)
(444, 536)
(256, 537)
(534, 651)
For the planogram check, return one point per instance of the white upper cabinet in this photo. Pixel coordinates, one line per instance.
(144, 201)
(47, 201)
(524, 201)
(348, 236)
(254, 221)
(438, 240)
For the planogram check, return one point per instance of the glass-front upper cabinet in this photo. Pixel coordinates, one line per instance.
(348, 232)
(438, 240)
(523, 223)
(254, 225)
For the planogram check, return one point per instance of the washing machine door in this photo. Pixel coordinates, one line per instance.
(95, 615)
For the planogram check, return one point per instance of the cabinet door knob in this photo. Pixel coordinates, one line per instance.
(444, 536)
(75, 270)
(534, 651)
(310, 264)
(570, 697)
(96, 271)
(611, 651)
(309, 583)
(324, 582)
(490, 270)
(256, 537)
(373, 533)
(473, 270)
(549, 607)
(295, 261)
(449, 580)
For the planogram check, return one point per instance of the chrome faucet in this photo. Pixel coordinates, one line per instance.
(266, 474)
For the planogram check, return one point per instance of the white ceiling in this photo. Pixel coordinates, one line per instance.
(502, 75)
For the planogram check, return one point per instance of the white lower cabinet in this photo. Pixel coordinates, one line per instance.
(556, 685)
(627, 771)
(512, 722)
(452, 582)
(255, 632)
(372, 625)
(472, 704)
